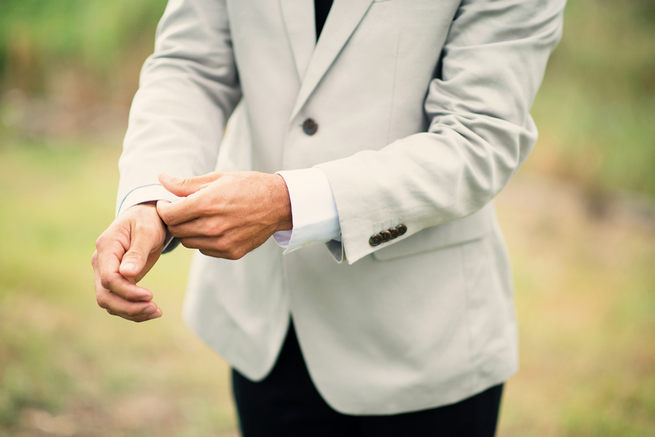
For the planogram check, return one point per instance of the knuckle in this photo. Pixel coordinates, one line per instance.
(106, 282)
(102, 302)
(205, 206)
(238, 253)
(135, 253)
(234, 252)
(221, 245)
(173, 230)
(215, 229)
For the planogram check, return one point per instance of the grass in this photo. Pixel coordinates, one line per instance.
(90, 33)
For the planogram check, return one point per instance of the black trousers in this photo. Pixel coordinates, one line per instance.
(286, 403)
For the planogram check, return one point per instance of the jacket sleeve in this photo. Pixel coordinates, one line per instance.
(188, 88)
(480, 130)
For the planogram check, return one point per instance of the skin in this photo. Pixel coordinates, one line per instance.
(224, 215)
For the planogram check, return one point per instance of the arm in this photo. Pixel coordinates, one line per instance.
(188, 89)
(479, 132)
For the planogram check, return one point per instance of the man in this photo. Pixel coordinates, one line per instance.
(392, 124)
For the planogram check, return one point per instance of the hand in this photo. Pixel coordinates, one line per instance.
(125, 252)
(226, 215)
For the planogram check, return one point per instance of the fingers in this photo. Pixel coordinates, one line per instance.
(124, 253)
(188, 208)
(179, 212)
(142, 243)
(107, 266)
(183, 187)
(116, 305)
(216, 247)
(200, 227)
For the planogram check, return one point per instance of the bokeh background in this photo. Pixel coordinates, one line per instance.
(579, 220)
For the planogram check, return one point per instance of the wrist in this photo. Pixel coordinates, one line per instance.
(282, 204)
(146, 214)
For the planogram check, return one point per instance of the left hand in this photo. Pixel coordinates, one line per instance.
(226, 215)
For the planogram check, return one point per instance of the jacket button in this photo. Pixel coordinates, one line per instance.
(394, 232)
(386, 235)
(375, 240)
(309, 126)
(401, 229)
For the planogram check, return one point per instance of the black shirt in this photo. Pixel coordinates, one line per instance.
(321, 9)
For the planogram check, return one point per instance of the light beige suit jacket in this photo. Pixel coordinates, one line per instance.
(422, 109)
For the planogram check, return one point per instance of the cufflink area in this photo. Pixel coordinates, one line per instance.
(387, 235)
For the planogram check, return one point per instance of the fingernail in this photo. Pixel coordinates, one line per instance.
(150, 309)
(128, 266)
(154, 315)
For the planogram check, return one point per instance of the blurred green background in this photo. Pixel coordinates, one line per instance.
(579, 220)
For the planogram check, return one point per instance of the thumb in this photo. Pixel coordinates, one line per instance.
(136, 257)
(183, 187)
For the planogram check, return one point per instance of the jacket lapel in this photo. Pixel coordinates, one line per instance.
(298, 16)
(343, 19)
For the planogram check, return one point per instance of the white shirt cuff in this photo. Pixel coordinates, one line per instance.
(314, 212)
(145, 193)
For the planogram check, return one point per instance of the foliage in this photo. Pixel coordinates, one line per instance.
(94, 34)
(597, 104)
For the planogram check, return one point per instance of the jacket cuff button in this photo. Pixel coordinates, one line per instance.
(375, 240)
(401, 229)
(394, 232)
(386, 236)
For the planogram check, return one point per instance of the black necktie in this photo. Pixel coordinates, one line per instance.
(321, 8)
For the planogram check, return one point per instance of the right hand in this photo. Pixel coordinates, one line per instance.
(125, 252)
